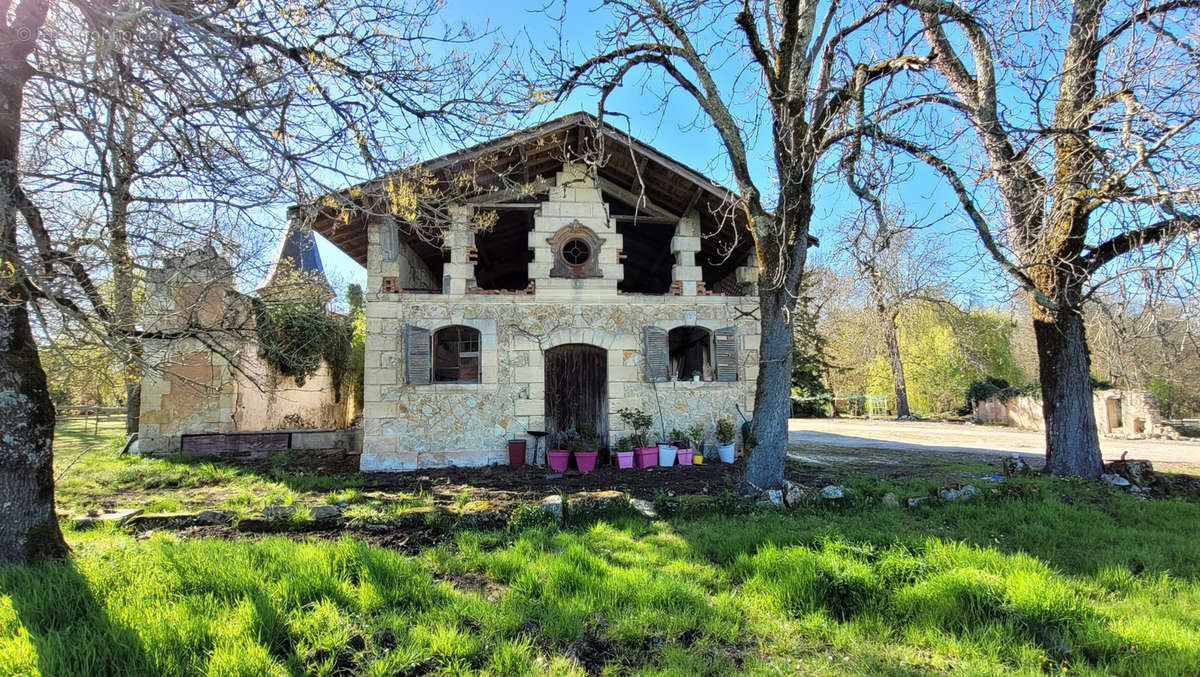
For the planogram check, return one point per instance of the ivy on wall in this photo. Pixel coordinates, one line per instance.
(295, 337)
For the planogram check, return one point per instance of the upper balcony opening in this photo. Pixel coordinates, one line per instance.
(502, 251)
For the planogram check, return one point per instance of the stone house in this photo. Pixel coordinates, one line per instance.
(579, 272)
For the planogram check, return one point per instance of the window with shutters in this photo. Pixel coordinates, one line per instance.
(456, 355)
(690, 350)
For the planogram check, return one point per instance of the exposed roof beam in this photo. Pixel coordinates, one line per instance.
(507, 205)
(642, 218)
(640, 202)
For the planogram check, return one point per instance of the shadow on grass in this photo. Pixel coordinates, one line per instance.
(68, 627)
(1053, 579)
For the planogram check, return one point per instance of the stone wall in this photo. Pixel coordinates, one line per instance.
(408, 426)
(412, 426)
(1119, 413)
(210, 379)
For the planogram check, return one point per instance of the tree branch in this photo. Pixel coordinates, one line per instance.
(1136, 239)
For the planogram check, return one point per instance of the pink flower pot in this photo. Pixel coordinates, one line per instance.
(624, 459)
(585, 460)
(685, 456)
(646, 456)
(558, 459)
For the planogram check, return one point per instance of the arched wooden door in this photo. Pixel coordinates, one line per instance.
(576, 388)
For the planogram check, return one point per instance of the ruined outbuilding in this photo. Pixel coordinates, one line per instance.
(1130, 414)
(207, 376)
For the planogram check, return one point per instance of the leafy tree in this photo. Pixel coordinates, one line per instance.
(810, 360)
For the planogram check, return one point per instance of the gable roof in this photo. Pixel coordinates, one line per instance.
(654, 185)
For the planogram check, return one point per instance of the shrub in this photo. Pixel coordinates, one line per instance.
(725, 431)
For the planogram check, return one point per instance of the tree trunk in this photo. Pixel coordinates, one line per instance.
(892, 342)
(28, 526)
(124, 166)
(133, 406)
(773, 396)
(29, 529)
(1072, 443)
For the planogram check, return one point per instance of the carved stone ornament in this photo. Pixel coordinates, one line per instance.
(576, 251)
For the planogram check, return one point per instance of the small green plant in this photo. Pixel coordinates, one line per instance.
(661, 500)
(640, 422)
(461, 500)
(696, 437)
(680, 438)
(623, 445)
(725, 431)
(586, 441)
(529, 516)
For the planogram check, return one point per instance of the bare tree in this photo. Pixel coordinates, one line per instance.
(1084, 120)
(891, 258)
(317, 91)
(812, 61)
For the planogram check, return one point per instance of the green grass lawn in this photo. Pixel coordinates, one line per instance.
(90, 474)
(1037, 576)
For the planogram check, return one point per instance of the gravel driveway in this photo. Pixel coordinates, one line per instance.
(976, 439)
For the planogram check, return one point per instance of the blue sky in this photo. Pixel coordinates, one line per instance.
(677, 131)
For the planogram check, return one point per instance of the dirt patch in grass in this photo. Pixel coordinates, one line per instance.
(471, 581)
(499, 483)
(408, 541)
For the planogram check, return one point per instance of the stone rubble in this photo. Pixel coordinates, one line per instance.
(215, 517)
(646, 508)
(1115, 480)
(278, 512)
(554, 506)
(833, 492)
(771, 497)
(962, 494)
(324, 513)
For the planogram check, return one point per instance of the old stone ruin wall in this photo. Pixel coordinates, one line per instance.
(1129, 414)
(205, 375)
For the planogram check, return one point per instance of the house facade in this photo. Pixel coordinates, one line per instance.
(584, 273)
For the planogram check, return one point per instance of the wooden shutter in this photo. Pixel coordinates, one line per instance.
(725, 347)
(417, 365)
(389, 239)
(658, 363)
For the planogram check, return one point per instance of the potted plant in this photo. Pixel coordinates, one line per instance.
(559, 456)
(624, 451)
(726, 447)
(640, 422)
(666, 454)
(586, 447)
(683, 446)
(696, 437)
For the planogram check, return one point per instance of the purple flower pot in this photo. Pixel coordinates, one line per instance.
(624, 459)
(646, 456)
(585, 460)
(558, 459)
(685, 456)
